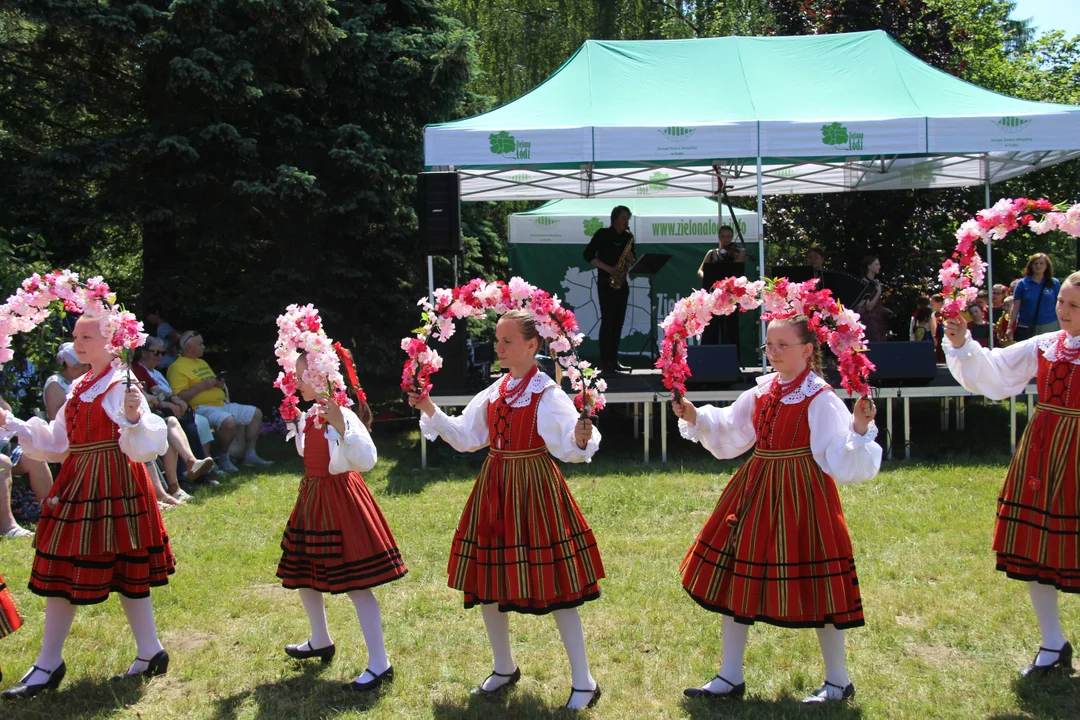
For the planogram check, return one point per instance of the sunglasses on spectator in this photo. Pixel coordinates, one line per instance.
(157, 353)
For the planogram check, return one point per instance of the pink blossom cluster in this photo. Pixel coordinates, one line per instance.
(835, 325)
(300, 332)
(964, 272)
(30, 305)
(555, 323)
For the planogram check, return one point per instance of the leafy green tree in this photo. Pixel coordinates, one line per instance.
(262, 153)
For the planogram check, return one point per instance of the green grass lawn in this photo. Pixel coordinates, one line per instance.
(944, 638)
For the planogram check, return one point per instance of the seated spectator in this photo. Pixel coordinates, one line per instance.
(58, 385)
(925, 324)
(980, 329)
(196, 384)
(185, 442)
(920, 304)
(165, 332)
(12, 463)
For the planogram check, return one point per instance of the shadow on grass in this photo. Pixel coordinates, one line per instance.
(515, 705)
(305, 695)
(1049, 696)
(85, 698)
(702, 708)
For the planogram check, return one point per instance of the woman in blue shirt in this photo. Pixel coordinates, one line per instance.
(1035, 299)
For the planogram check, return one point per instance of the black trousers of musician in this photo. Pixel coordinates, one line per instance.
(612, 315)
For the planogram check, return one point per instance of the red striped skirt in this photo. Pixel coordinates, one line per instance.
(776, 548)
(104, 534)
(522, 542)
(1037, 534)
(10, 620)
(336, 539)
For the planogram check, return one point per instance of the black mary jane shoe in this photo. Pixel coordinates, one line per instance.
(735, 693)
(514, 677)
(374, 683)
(325, 654)
(592, 701)
(21, 690)
(1064, 661)
(157, 665)
(821, 695)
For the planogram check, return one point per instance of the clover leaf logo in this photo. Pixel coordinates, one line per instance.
(591, 225)
(834, 134)
(657, 181)
(502, 143)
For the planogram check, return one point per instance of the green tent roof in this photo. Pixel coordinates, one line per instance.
(857, 107)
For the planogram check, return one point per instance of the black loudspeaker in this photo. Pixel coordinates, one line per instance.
(454, 375)
(439, 212)
(902, 363)
(713, 365)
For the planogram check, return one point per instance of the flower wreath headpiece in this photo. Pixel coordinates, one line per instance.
(836, 326)
(300, 332)
(964, 272)
(555, 324)
(30, 305)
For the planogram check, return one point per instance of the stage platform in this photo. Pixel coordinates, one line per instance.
(643, 389)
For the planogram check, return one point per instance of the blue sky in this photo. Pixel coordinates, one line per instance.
(1050, 15)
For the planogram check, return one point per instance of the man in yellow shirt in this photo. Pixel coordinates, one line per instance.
(196, 384)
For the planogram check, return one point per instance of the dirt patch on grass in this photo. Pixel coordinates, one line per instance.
(938, 655)
(182, 642)
(269, 590)
(909, 621)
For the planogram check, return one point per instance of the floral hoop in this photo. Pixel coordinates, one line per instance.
(30, 305)
(300, 332)
(836, 326)
(964, 273)
(555, 324)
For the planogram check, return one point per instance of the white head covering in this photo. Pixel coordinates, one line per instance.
(66, 355)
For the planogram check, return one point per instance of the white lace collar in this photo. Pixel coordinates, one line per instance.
(116, 373)
(538, 384)
(810, 387)
(1048, 344)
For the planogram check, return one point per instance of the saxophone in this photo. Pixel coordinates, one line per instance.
(622, 268)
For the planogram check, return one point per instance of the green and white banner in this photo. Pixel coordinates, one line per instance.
(547, 246)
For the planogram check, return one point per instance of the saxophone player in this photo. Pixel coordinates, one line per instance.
(605, 251)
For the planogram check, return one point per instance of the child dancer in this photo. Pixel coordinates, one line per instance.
(1037, 535)
(10, 620)
(337, 540)
(100, 530)
(776, 548)
(522, 544)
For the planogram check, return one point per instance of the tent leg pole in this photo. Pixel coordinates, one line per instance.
(989, 257)
(663, 433)
(648, 422)
(637, 420)
(761, 244)
(1012, 424)
(889, 425)
(431, 279)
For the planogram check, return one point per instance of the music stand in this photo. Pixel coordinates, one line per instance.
(650, 264)
(726, 324)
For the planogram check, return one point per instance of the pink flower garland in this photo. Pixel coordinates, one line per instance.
(555, 324)
(300, 332)
(28, 307)
(962, 274)
(837, 327)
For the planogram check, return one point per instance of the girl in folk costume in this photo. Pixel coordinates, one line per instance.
(10, 620)
(776, 548)
(522, 544)
(1037, 535)
(100, 530)
(336, 539)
